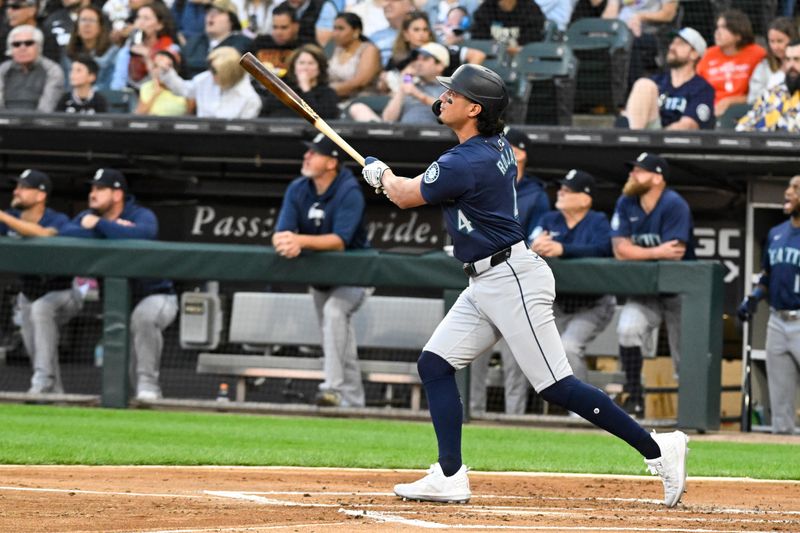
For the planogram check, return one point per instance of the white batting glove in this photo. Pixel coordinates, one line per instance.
(373, 172)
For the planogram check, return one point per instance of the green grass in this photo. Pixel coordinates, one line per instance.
(92, 436)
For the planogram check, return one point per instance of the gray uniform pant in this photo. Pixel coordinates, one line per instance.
(335, 308)
(41, 320)
(581, 327)
(783, 371)
(640, 318)
(151, 316)
(515, 384)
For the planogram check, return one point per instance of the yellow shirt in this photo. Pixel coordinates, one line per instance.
(167, 104)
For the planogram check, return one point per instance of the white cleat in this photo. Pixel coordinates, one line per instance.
(671, 466)
(436, 487)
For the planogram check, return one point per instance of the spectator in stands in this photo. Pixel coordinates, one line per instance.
(315, 18)
(395, 12)
(61, 22)
(411, 102)
(557, 11)
(189, 17)
(45, 303)
(455, 28)
(114, 214)
(83, 98)
(678, 99)
(222, 91)
(356, 62)
(729, 65)
(273, 50)
(778, 109)
(588, 9)
(122, 16)
(92, 36)
(307, 75)
(157, 100)
(645, 19)
(575, 230)
(153, 31)
(513, 23)
(371, 14)
(449, 15)
(532, 204)
(222, 28)
(323, 210)
(25, 13)
(769, 72)
(29, 81)
(650, 222)
(256, 19)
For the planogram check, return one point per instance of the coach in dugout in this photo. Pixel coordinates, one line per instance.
(114, 214)
(323, 209)
(650, 222)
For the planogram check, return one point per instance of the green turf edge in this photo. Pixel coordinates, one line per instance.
(31, 434)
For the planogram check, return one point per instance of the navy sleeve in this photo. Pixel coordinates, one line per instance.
(700, 105)
(620, 225)
(73, 228)
(765, 268)
(676, 222)
(288, 218)
(348, 215)
(595, 243)
(446, 179)
(145, 226)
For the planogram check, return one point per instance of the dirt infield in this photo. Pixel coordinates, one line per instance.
(193, 500)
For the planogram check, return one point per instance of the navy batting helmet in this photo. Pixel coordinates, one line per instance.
(480, 84)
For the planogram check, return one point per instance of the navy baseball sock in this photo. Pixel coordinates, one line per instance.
(631, 359)
(439, 379)
(593, 405)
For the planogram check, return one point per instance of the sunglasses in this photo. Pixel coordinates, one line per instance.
(17, 44)
(17, 6)
(213, 70)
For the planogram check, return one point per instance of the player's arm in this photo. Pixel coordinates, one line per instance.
(626, 250)
(320, 243)
(403, 192)
(25, 228)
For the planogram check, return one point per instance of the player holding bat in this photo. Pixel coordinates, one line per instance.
(510, 293)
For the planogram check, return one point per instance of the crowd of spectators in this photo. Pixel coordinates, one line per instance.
(367, 50)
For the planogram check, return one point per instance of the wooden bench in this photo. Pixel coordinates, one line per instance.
(260, 321)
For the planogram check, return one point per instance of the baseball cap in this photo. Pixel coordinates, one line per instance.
(517, 138)
(651, 162)
(434, 50)
(109, 177)
(578, 181)
(693, 37)
(322, 145)
(34, 179)
(225, 5)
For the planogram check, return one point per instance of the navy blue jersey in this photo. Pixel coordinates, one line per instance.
(474, 184)
(694, 99)
(532, 203)
(781, 266)
(339, 210)
(144, 225)
(670, 219)
(33, 286)
(591, 237)
(50, 219)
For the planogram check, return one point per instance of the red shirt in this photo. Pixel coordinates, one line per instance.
(730, 75)
(137, 67)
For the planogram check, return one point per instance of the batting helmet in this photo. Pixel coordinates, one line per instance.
(480, 84)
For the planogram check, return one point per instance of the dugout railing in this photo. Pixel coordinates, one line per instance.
(699, 283)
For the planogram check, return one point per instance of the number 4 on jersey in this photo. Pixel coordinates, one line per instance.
(464, 225)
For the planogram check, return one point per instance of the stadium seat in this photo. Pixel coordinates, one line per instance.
(376, 102)
(123, 101)
(546, 89)
(731, 116)
(493, 49)
(603, 47)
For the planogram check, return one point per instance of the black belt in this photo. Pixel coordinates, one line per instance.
(495, 259)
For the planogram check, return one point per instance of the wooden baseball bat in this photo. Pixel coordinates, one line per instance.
(291, 99)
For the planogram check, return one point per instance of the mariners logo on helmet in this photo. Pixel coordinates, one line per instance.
(479, 84)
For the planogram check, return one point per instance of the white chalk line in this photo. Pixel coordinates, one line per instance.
(103, 493)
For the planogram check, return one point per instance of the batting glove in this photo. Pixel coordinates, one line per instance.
(373, 172)
(747, 308)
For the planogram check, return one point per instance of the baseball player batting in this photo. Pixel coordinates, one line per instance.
(510, 293)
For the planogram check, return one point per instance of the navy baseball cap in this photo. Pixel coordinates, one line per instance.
(34, 179)
(578, 181)
(322, 145)
(109, 177)
(652, 162)
(517, 138)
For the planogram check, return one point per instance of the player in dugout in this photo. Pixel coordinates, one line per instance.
(510, 294)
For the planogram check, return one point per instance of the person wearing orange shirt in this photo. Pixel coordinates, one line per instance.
(729, 65)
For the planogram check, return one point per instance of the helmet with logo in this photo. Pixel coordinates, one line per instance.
(479, 84)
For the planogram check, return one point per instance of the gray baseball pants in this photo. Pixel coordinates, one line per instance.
(580, 328)
(783, 371)
(335, 308)
(41, 320)
(640, 318)
(151, 316)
